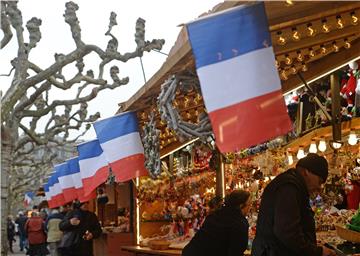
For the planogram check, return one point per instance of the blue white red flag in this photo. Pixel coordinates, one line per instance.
(28, 198)
(94, 168)
(56, 194)
(73, 165)
(66, 182)
(241, 88)
(120, 140)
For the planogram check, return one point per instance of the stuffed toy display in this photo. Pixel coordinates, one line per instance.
(349, 86)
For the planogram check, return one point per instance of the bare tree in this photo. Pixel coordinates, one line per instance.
(27, 102)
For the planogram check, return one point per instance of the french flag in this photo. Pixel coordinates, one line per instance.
(120, 140)
(73, 165)
(28, 198)
(66, 182)
(48, 196)
(55, 190)
(240, 85)
(94, 168)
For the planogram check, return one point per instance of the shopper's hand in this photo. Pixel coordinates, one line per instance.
(88, 235)
(328, 252)
(74, 221)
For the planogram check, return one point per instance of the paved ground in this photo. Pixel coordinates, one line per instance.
(16, 248)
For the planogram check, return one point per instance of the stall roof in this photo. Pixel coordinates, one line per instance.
(282, 18)
(318, 54)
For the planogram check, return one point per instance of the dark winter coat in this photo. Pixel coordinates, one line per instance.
(10, 230)
(224, 232)
(88, 221)
(21, 220)
(285, 223)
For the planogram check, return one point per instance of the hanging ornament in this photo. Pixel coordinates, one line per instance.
(169, 114)
(151, 143)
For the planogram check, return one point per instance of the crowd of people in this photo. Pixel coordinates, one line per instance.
(65, 231)
(285, 224)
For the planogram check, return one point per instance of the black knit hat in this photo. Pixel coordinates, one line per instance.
(315, 164)
(236, 198)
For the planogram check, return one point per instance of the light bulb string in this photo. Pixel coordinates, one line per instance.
(352, 14)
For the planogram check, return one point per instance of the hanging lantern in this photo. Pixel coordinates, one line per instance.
(354, 19)
(352, 138)
(299, 56)
(325, 26)
(313, 148)
(311, 53)
(300, 154)
(323, 49)
(336, 144)
(347, 45)
(310, 30)
(281, 40)
(322, 145)
(290, 159)
(336, 48)
(339, 22)
(304, 67)
(288, 60)
(295, 34)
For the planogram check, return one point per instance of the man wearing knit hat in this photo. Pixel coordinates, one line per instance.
(286, 223)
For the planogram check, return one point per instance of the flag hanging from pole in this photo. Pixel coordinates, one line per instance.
(240, 85)
(28, 198)
(66, 182)
(120, 140)
(94, 169)
(73, 165)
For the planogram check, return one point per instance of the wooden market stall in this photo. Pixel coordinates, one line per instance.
(312, 38)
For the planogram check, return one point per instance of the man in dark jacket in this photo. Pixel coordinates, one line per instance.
(286, 223)
(21, 220)
(225, 231)
(87, 227)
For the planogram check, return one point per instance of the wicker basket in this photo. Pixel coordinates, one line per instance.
(347, 234)
(159, 244)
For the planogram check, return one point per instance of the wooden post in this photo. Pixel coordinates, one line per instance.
(220, 175)
(299, 119)
(335, 107)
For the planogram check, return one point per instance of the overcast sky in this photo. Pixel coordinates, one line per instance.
(162, 18)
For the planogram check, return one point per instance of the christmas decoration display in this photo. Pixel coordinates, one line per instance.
(349, 86)
(166, 188)
(152, 148)
(169, 114)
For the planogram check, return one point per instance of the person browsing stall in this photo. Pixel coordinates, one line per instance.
(285, 224)
(225, 231)
(87, 227)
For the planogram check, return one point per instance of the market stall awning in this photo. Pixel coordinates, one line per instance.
(311, 37)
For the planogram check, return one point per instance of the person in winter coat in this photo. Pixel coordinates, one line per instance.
(86, 225)
(285, 224)
(225, 231)
(10, 232)
(35, 230)
(21, 220)
(54, 234)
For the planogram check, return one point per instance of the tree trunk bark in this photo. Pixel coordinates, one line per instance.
(5, 170)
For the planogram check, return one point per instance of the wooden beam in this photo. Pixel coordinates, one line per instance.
(324, 131)
(322, 38)
(323, 66)
(335, 107)
(327, 9)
